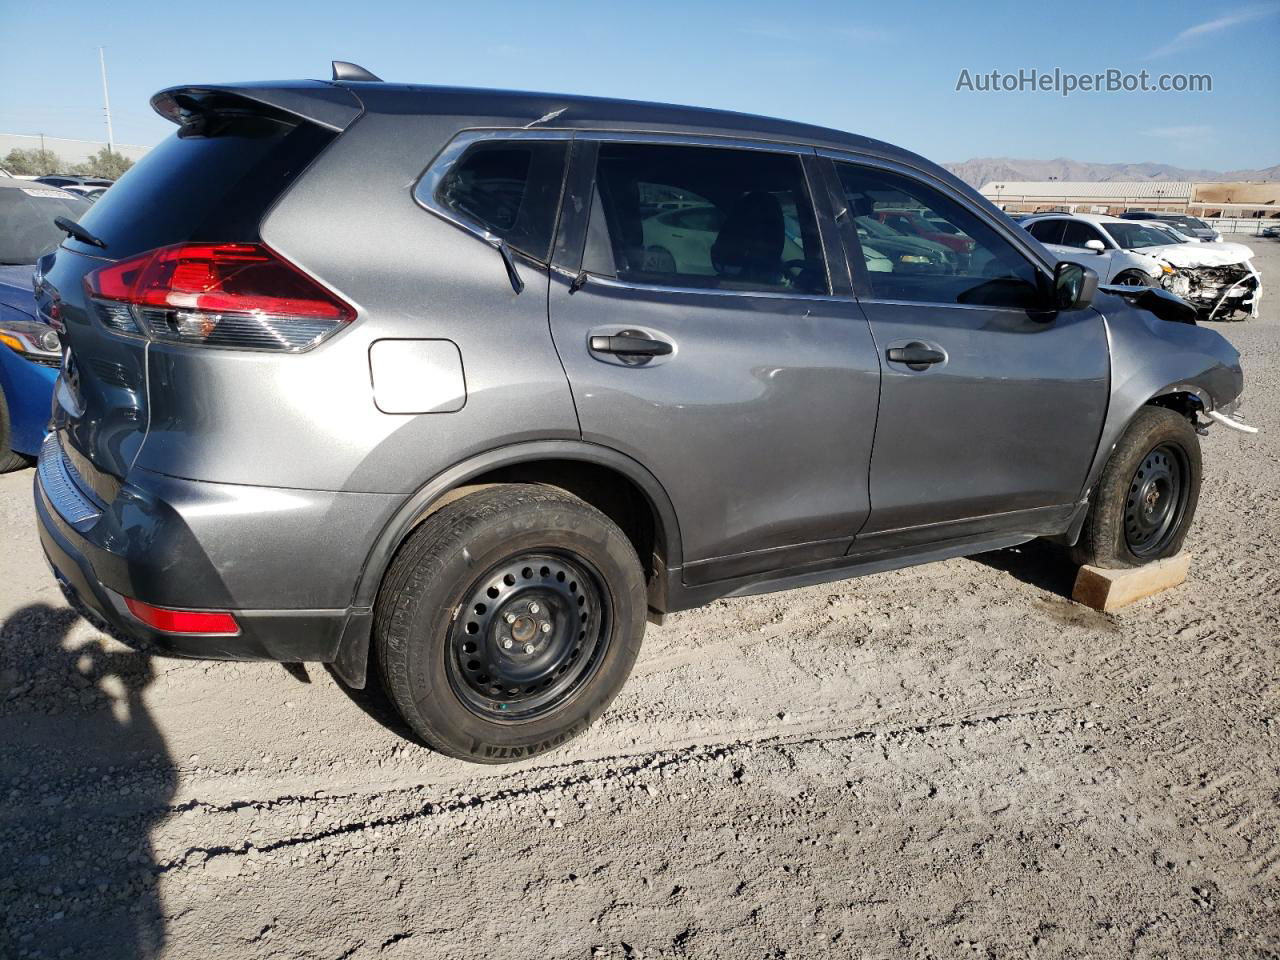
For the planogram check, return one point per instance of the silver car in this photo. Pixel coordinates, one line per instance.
(400, 388)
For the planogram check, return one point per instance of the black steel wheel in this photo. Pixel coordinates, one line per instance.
(1142, 506)
(508, 621)
(1157, 499)
(528, 634)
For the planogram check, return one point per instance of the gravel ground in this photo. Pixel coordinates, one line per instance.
(949, 761)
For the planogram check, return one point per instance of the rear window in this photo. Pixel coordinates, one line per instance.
(26, 220)
(510, 189)
(213, 182)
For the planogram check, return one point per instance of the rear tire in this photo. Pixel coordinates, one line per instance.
(1146, 498)
(508, 622)
(10, 460)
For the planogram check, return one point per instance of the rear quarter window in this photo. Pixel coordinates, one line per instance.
(509, 189)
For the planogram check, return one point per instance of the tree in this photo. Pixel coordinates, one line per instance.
(104, 163)
(32, 163)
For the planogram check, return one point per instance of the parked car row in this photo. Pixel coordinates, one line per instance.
(1192, 227)
(1218, 278)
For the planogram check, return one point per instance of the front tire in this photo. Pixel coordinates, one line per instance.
(1134, 278)
(508, 622)
(9, 459)
(1147, 495)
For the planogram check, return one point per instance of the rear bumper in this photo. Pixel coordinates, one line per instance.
(287, 635)
(192, 550)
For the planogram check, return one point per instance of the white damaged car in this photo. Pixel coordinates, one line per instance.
(1219, 279)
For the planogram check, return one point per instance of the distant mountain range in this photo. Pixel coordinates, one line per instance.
(985, 169)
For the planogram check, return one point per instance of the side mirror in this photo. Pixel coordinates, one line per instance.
(1073, 286)
(1097, 246)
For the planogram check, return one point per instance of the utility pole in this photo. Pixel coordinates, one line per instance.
(106, 101)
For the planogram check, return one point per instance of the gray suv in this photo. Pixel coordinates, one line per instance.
(424, 384)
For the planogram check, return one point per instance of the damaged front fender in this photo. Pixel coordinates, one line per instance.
(1154, 361)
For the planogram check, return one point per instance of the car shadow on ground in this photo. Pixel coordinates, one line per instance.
(1037, 562)
(374, 701)
(85, 776)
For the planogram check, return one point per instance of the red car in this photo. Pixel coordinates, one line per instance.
(910, 222)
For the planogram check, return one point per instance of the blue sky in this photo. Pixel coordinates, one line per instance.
(888, 70)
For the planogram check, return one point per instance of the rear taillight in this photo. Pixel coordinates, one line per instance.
(216, 294)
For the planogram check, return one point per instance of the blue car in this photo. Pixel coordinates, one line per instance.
(30, 351)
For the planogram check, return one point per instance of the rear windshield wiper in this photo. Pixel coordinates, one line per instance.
(73, 229)
(509, 261)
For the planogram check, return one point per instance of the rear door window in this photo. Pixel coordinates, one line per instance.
(508, 189)
(704, 217)
(1046, 231)
(1077, 234)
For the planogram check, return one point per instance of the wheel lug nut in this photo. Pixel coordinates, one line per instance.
(528, 648)
(511, 618)
(506, 643)
(534, 608)
(546, 628)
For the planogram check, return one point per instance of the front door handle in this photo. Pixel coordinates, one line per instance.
(630, 346)
(917, 356)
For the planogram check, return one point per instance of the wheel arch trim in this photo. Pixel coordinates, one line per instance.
(421, 503)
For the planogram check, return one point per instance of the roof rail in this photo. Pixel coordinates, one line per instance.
(342, 70)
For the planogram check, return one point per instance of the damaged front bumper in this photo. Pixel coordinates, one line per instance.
(1218, 292)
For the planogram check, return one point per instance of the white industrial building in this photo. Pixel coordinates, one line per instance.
(1205, 198)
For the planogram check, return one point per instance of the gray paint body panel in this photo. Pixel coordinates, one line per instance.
(759, 426)
(1008, 422)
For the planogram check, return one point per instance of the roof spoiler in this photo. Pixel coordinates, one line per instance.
(315, 100)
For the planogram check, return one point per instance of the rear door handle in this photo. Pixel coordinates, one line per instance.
(630, 346)
(917, 356)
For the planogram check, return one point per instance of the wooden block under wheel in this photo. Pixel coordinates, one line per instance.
(1109, 590)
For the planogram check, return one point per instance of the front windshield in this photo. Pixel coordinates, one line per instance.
(1132, 235)
(26, 220)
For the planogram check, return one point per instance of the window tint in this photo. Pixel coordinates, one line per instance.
(973, 265)
(704, 217)
(1078, 233)
(212, 181)
(26, 220)
(1046, 231)
(510, 188)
